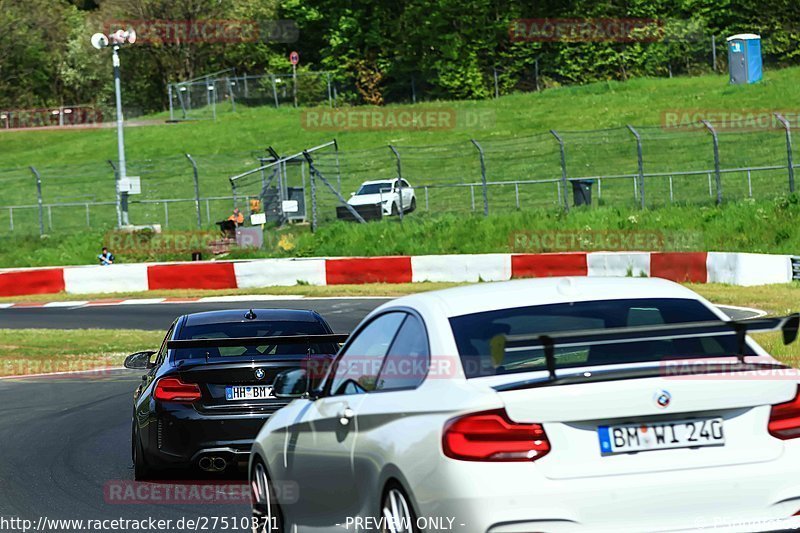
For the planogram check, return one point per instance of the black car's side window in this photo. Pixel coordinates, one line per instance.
(162, 352)
(407, 362)
(358, 366)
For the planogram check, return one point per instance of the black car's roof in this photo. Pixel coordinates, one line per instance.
(261, 315)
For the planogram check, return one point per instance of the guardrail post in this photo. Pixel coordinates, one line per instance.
(788, 128)
(483, 177)
(563, 168)
(717, 173)
(196, 190)
(39, 198)
(399, 179)
(641, 165)
(11, 217)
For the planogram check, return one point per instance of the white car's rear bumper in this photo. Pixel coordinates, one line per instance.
(516, 497)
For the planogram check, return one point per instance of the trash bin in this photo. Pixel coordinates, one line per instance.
(744, 58)
(581, 192)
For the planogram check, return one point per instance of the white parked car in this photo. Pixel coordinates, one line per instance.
(448, 411)
(387, 194)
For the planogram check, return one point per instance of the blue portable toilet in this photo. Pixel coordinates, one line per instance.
(744, 58)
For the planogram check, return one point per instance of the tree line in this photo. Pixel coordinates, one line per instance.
(378, 51)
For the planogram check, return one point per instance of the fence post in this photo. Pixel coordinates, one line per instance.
(563, 168)
(338, 168)
(313, 181)
(274, 90)
(11, 217)
(39, 198)
(328, 81)
(496, 84)
(399, 179)
(483, 178)
(233, 193)
(641, 164)
(717, 173)
(714, 53)
(169, 95)
(196, 190)
(788, 127)
(230, 92)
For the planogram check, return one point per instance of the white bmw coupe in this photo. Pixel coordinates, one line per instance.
(542, 405)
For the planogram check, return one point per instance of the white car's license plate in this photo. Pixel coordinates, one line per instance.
(251, 392)
(660, 436)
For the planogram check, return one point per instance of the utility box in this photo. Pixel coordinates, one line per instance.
(744, 58)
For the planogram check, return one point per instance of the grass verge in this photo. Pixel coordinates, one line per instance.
(763, 226)
(37, 351)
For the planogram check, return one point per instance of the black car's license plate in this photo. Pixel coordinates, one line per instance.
(247, 392)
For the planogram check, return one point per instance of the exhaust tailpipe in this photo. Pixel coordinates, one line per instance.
(211, 463)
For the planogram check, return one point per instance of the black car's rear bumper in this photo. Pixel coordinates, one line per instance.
(179, 435)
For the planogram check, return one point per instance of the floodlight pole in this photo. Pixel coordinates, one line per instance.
(122, 173)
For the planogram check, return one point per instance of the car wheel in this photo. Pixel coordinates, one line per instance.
(397, 511)
(267, 517)
(141, 470)
(413, 206)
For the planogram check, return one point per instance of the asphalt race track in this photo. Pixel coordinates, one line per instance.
(66, 439)
(341, 313)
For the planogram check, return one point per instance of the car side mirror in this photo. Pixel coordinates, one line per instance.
(139, 360)
(291, 383)
(352, 194)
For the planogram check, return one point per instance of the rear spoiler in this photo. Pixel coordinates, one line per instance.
(502, 344)
(334, 338)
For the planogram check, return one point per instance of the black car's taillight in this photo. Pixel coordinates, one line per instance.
(175, 390)
(492, 436)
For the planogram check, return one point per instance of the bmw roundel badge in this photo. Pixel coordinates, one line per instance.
(663, 398)
(259, 373)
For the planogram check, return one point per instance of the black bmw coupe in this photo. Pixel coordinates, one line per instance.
(208, 390)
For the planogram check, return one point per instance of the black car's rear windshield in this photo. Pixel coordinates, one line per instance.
(253, 329)
(474, 332)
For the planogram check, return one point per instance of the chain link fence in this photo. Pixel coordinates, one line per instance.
(628, 167)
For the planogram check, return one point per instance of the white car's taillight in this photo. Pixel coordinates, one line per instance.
(784, 419)
(492, 436)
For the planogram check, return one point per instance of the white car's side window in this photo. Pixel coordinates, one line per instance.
(407, 362)
(357, 369)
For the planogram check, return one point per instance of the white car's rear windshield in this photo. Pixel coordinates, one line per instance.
(474, 332)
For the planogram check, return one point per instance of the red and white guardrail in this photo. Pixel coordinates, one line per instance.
(700, 267)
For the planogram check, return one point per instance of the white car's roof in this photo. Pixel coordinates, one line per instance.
(482, 297)
(379, 181)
